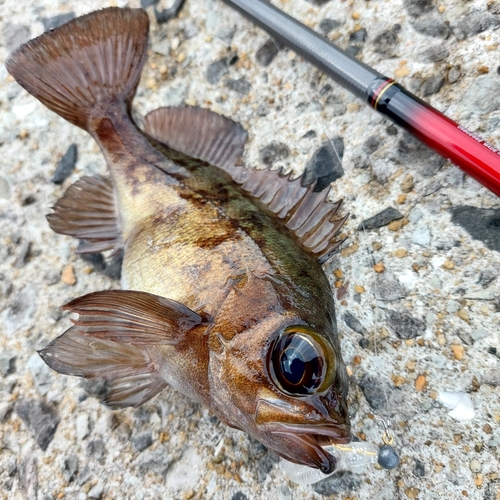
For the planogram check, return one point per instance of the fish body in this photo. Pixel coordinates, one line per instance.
(224, 297)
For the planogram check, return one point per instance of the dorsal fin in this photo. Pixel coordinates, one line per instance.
(210, 137)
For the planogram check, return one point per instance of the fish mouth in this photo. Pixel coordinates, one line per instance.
(311, 440)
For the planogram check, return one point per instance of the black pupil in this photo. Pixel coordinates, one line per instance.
(300, 367)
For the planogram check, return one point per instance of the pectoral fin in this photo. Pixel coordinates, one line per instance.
(130, 373)
(137, 318)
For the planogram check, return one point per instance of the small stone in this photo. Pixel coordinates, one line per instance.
(420, 383)
(325, 166)
(40, 418)
(396, 225)
(407, 183)
(338, 484)
(267, 52)
(400, 253)
(7, 363)
(487, 428)
(387, 457)
(23, 254)
(475, 465)
(142, 440)
(404, 325)
(326, 25)
(401, 199)
(66, 165)
(473, 23)
(113, 269)
(353, 323)
(478, 480)
(385, 43)
(68, 275)
(432, 85)
(96, 449)
(419, 469)
(434, 53)
(388, 288)
(157, 461)
(379, 268)
(359, 289)
(273, 152)
(422, 235)
(463, 314)
(454, 74)
(458, 352)
(448, 264)
(96, 492)
(217, 70)
(82, 426)
(241, 85)
(412, 492)
(70, 468)
(50, 23)
(481, 223)
(381, 219)
(375, 391)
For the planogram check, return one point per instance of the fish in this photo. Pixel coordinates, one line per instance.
(223, 295)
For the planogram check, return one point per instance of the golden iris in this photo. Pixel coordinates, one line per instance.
(302, 362)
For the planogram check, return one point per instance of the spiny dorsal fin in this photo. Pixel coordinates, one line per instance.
(210, 137)
(87, 211)
(132, 317)
(130, 373)
(199, 133)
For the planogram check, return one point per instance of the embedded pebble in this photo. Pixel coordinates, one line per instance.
(96, 492)
(267, 52)
(481, 223)
(41, 419)
(432, 85)
(404, 325)
(325, 166)
(475, 465)
(375, 390)
(273, 152)
(327, 25)
(217, 70)
(241, 85)
(381, 219)
(142, 440)
(353, 323)
(66, 165)
(82, 426)
(422, 235)
(388, 288)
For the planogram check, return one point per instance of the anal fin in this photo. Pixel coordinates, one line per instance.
(131, 375)
(87, 211)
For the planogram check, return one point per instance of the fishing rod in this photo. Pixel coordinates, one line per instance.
(465, 149)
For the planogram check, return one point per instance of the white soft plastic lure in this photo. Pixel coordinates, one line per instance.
(355, 457)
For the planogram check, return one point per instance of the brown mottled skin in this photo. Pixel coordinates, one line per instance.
(194, 237)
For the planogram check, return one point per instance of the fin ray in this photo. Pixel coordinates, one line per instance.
(84, 64)
(129, 371)
(88, 211)
(137, 318)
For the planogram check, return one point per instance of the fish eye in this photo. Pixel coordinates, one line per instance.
(301, 362)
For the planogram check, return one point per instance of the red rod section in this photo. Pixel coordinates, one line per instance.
(465, 149)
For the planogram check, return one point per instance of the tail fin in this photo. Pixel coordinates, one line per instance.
(85, 64)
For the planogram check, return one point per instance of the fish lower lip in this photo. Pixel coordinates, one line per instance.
(326, 434)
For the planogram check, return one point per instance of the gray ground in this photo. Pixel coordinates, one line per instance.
(438, 287)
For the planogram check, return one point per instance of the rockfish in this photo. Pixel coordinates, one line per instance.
(223, 295)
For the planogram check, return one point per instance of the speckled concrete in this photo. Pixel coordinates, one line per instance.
(420, 294)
